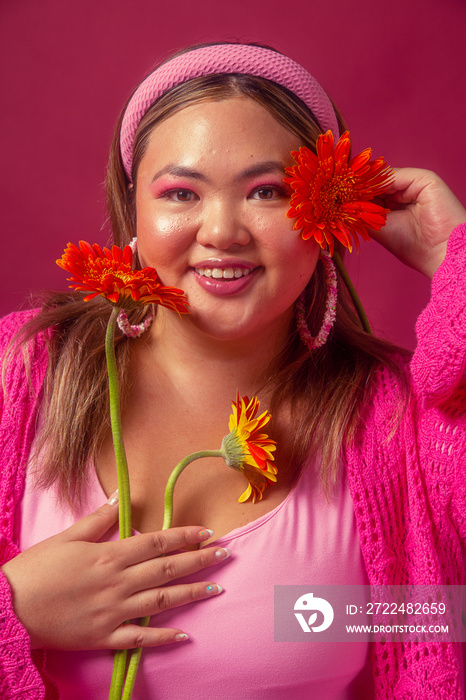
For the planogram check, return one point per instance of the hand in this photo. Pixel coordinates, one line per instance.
(73, 592)
(424, 213)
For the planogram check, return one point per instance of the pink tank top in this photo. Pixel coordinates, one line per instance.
(231, 653)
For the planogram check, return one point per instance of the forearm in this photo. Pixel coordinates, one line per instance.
(19, 676)
(439, 361)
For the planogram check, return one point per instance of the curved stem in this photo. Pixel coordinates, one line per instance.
(124, 512)
(167, 522)
(353, 293)
(168, 511)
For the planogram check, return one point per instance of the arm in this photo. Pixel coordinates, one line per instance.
(98, 585)
(426, 230)
(20, 675)
(439, 362)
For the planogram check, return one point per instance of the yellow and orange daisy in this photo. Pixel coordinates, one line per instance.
(332, 194)
(108, 273)
(249, 450)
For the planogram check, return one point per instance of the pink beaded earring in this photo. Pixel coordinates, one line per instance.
(130, 330)
(330, 307)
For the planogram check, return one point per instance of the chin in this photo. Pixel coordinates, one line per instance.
(223, 330)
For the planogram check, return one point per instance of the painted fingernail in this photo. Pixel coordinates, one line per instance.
(222, 554)
(205, 534)
(214, 589)
(113, 499)
(181, 637)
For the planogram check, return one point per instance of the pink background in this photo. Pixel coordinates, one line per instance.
(394, 67)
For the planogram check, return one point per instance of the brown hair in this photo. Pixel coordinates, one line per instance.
(326, 389)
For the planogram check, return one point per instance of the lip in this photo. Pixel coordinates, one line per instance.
(221, 287)
(223, 263)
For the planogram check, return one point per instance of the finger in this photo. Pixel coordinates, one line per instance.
(157, 600)
(94, 526)
(135, 637)
(409, 184)
(405, 177)
(157, 572)
(155, 544)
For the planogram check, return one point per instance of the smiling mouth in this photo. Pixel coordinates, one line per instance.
(227, 273)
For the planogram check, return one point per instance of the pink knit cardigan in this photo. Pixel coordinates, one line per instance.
(409, 491)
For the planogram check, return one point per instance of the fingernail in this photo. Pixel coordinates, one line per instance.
(222, 554)
(113, 498)
(181, 637)
(214, 589)
(205, 534)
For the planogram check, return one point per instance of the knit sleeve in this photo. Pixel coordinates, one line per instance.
(439, 362)
(20, 675)
(438, 373)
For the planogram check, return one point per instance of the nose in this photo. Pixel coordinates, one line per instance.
(222, 225)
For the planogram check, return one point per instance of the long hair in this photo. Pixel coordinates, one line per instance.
(326, 389)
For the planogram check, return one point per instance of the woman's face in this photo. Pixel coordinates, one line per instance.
(211, 217)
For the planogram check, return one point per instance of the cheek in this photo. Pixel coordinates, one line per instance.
(290, 251)
(160, 237)
(299, 264)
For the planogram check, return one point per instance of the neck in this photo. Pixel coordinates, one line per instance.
(180, 350)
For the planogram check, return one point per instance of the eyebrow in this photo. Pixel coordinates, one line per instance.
(263, 168)
(268, 166)
(179, 171)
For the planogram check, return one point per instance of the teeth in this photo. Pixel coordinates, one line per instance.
(227, 274)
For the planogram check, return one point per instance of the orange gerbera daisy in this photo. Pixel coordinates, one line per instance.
(109, 273)
(249, 450)
(332, 194)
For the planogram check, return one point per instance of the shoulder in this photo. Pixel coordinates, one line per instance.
(13, 330)
(391, 386)
(12, 325)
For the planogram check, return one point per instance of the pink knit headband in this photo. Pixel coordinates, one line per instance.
(224, 58)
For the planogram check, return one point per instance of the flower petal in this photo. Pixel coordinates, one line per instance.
(109, 273)
(331, 195)
(248, 449)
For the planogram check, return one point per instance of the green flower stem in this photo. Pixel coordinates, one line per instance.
(124, 512)
(167, 522)
(118, 674)
(353, 293)
(168, 511)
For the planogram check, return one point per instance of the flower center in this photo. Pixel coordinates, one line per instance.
(106, 269)
(339, 190)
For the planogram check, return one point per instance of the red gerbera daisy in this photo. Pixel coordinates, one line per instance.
(332, 194)
(109, 273)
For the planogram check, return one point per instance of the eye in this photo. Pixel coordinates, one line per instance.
(267, 192)
(180, 195)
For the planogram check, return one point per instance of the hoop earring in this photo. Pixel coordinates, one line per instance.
(128, 329)
(330, 307)
(134, 331)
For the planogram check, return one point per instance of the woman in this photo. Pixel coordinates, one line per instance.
(196, 173)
